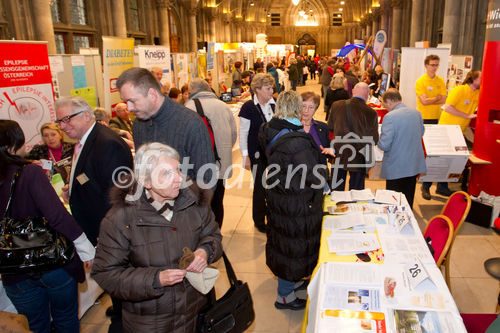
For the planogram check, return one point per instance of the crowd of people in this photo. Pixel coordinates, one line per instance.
(131, 217)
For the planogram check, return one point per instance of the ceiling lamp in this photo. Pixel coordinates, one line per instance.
(301, 12)
(295, 2)
(252, 4)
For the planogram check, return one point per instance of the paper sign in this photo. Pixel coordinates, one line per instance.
(56, 64)
(88, 93)
(77, 61)
(415, 273)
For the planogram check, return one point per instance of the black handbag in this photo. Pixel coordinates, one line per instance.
(233, 312)
(30, 245)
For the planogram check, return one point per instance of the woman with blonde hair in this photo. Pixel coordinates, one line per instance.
(336, 92)
(53, 148)
(294, 199)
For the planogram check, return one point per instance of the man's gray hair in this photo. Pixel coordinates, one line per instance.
(198, 84)
(288, 105)
(146, 159)
(76, 103)
(101, 114)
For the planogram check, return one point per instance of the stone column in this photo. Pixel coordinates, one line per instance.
(237, 24)
(417, 21)
(44, 26)
(212, 17)
(192, 29)
(376, 21)
(119, 21)
(397, 14)
(451, 23)
(163, 7)
(227, 28)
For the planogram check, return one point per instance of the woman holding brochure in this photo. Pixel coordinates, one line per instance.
(294, 200)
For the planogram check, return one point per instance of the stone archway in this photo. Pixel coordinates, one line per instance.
(306, 43)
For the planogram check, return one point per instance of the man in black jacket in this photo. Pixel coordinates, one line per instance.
(100, 157)
(355, 127)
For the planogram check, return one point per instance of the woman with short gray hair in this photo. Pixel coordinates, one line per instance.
(143, 237)
(294, 199)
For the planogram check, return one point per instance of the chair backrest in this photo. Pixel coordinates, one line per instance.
(440, 231)
(456, 209)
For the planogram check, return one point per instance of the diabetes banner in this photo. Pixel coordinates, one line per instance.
(118, 55)
(26, 87)
(156, 56)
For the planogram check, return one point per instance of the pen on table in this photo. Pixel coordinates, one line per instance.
(395, 198)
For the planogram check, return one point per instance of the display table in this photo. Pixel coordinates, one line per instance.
(399, 288)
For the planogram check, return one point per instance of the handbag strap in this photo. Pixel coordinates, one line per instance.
(229, 270)
(12, 186)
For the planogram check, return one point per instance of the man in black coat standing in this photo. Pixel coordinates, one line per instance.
(100, 158)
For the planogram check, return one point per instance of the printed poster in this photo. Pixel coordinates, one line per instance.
(210, 55)
(118, 55)
(202, 65)
(181, 69)
(151, 56)
(26, 87)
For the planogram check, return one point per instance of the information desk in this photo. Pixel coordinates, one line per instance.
(399, 289)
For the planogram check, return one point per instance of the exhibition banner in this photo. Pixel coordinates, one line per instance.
(181, 69)
(379, 42)
(210, 55)
(159, 56)
(118, 55)
(26, 87)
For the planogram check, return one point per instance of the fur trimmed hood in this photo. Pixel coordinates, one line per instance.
(126, 195)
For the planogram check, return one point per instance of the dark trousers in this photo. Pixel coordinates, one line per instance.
(294, 85)
(259, 205)
(356, 180)
(313, 75)
(116, 325)
(404, 185)
(217, 202)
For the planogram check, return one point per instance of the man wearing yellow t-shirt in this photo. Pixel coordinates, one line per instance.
(431, 91)
(461, 104)
(431, 94)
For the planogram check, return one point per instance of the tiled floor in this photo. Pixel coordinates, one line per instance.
(474, 291)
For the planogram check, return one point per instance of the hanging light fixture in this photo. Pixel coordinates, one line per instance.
(295, 2)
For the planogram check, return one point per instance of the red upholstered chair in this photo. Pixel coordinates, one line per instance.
(440, 231)
(456, 209)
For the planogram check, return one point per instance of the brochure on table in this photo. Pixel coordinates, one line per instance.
(447, 153)
(351, 297)
(363, 297)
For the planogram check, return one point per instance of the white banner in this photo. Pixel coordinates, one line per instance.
(159, 56)
(379, 42)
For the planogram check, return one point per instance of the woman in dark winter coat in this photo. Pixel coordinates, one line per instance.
(294, 199)
(141, 242)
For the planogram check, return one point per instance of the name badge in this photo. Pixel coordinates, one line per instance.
(466, 102)
(46, 164)
(82, 178)
(430, 88)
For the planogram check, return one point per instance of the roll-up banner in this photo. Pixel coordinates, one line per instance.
(26, 94)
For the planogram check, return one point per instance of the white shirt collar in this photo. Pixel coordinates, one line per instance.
(256, 101)
(86, 135)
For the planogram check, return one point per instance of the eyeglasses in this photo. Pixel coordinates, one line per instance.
(66, 119)
(433, 65)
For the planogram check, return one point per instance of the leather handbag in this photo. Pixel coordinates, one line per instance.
(30, 245)
(233, 312)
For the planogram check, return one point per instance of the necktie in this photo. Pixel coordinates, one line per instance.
(78, 148)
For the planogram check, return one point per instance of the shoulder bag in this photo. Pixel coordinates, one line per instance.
(30, 245)
(233, 312)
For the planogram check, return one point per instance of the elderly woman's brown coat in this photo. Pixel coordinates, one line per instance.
(135, 243)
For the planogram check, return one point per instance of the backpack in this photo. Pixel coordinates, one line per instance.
(199, 109)
(277, 136)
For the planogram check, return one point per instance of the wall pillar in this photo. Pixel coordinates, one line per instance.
(192, 30)
(417, 21)
(44, 26)
(163, 6)
(119, 21)
(397, 15)
(451, 23)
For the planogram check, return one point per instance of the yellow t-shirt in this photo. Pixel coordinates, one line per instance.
(431, 88)
(464, 99)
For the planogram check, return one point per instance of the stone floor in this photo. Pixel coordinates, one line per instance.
(473, 290)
